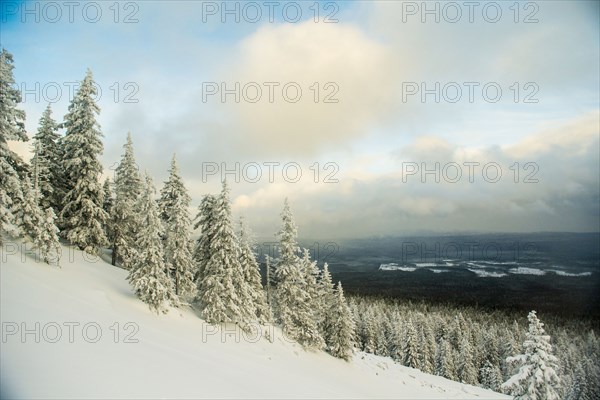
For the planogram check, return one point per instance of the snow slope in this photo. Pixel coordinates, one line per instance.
(175, 355)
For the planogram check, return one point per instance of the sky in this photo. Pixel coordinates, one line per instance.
(371, 117)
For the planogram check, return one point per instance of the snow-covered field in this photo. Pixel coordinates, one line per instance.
(482, 269)
(79, 332)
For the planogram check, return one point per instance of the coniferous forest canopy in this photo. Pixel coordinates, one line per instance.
(523, 321)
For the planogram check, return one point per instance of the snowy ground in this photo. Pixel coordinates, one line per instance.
(88, 336)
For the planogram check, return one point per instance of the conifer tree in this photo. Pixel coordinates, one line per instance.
(535, 378)
(410, 349)
(38, 226)
(125, 216)
(467, 372)
(340, 327)
(173, 207)
(490, 376)
(205, 221)
(268, 280)
(257, 300)
(148, 276)
(48, 243)
(46, 163)
(396, 341)
(220, 299)
(82, 217)
(293, 300)
(311, 274)
(29, 216)
(326, 296)
(108, 202)
(445, 361)
(427, 348)
(381, 339)
(368, 334)
(12, 127)
(108, 199)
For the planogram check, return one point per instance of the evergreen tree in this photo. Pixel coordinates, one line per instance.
(381, 338)
(326, 296)
(368, 334)
(47, 242)
(173, 207)
(311, 274)
(220, 298)
(82, 217)
(445, 361)
(536, 377)
(410, 349)
(108, 199)
(467, 372)
(396, 340)
(427, 348)
(46, 163)
(108, 202)
(125, 217)
(29, 216)
(340, 327)
(491, 347)
(148, 275)
(268, 280)
(490, 376)
(293, 300)
(12, 127)
(252, 277)
(206, 221)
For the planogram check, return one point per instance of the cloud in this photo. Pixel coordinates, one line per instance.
(369, 132)
(347, 66)
(564, 159)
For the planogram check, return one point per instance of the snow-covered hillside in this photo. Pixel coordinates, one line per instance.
(88, 336)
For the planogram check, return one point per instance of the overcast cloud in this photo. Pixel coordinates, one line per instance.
(371, 137)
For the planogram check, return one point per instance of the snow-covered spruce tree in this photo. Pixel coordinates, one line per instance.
(29, 216)
(311, 275)
(12, 127)
(38, 226)
(427, 348)
(340, 327)
(47, 243)
(252, 277)
(490, 376)
(222, 290)
(82, 219)
(467, 372)
(445, 361)
(125, 216)
(535, 378)
(269, 280)
(205, 221)
(46, 163)
(410, 348)
(148, 274)
(326, 297)
(396, 339)
(293, 301)
(381, 340)
(173, 208)
(108, 202)
(368, 334)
